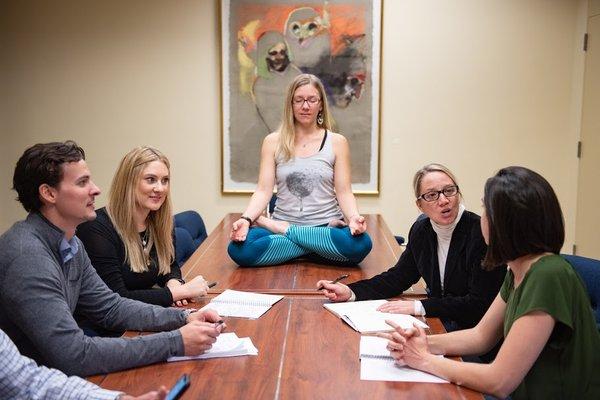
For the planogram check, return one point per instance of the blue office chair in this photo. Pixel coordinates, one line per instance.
(190, 232)
(589, 271)
(400, 239)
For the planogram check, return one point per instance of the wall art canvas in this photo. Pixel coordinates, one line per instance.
(265, 45)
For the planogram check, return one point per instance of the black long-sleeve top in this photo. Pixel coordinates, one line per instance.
(468, 289)
(107, 253)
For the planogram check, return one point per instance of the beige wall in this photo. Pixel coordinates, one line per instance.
(474, 84)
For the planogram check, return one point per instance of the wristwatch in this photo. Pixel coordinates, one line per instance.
(247, 219)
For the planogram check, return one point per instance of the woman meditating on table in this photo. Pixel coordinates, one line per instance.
(551, 346)
(445, 248)
(130, 243)
(315, 212)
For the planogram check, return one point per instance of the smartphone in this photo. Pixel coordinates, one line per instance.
(179, 388)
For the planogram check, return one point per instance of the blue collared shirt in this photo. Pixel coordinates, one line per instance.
(68, 249)
(21, 378)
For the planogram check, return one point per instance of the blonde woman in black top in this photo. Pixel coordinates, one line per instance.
(131, 241)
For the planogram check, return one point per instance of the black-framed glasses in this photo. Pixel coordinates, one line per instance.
(448, 191)
(299, 101)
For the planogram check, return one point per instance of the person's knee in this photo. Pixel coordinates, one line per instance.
(360, 247)
(241, 254)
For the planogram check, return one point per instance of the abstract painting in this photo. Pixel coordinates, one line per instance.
(265, 45)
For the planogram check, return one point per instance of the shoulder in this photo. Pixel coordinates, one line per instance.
(552, 267)
(21, 238)
(339, 144)
(337, 138)
(471, 224)
(102, 220)
(271, 139)
(421, 227)
(24, 251)
(470, 218)
(100, 226)
(270, 142)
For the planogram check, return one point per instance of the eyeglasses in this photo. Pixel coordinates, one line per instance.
(299, 101)
(448, 191)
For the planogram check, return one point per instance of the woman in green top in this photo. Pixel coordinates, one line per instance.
(551, 346)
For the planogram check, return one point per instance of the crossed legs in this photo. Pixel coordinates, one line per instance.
(275, 242)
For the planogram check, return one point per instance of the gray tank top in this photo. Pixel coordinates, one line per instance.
(305, 190)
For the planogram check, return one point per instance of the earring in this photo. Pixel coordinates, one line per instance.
(320, 118)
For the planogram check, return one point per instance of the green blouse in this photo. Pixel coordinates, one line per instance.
(569, 364)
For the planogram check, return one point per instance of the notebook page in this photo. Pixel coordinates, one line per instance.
(234, 303)
(247, 298)
(227, 345)
(237, 310)
(372, 369)
(374, 321)
(376, 364)
(340, 309)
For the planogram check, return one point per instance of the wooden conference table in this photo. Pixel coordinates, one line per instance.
(305, 352)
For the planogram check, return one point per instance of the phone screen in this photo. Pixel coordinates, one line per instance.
(179, 388)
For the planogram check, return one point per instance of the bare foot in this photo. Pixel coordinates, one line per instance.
(337, 223)
(272, 225)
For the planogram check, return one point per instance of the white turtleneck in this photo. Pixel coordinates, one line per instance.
(444, 236)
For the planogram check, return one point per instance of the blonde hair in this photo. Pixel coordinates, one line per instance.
(427, 169)
(121, 205)
(287, 133)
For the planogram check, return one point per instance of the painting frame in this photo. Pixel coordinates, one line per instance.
(239, 160)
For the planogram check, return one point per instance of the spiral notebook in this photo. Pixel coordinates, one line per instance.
(376, 364)
(234, 303)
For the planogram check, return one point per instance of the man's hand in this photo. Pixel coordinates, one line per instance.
(198, 336)
(206, 315)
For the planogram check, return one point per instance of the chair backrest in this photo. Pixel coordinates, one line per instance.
(589, 271)
(190, 232)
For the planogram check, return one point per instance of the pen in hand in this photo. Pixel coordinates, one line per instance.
(336, 280)
(212, 284)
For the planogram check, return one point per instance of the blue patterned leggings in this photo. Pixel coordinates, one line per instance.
(263, 247)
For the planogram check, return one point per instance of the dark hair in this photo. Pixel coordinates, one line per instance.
(524, 216)
(42, 164)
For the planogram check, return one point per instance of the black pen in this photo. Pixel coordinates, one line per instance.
(212, 284)
(336, 280)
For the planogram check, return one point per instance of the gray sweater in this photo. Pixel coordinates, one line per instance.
(39, 295)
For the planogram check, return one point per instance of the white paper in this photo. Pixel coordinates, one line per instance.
(234, 303)
(340, 309)
(374, 321)
(372, 369)
(376, 364)
(227, 345)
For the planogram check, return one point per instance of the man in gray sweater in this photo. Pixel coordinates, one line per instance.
(45, 275)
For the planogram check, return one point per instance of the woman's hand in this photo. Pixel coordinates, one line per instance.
(175, 286)
(335, 292)
(357, 224)
(188, 292)
(398, 307)
(239, 230)
(409, 346)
